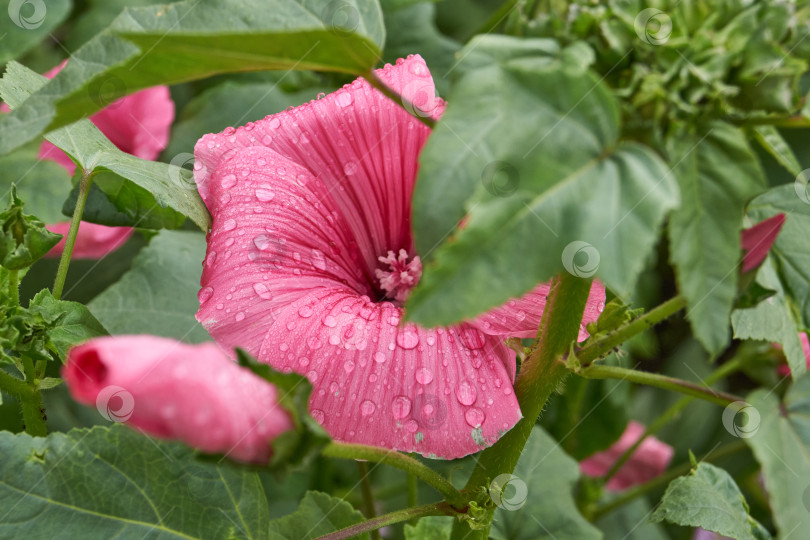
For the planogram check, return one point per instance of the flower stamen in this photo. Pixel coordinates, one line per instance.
(401, 276)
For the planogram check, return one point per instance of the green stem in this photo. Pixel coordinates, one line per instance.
(32, 409)
(404, 102)
(15, 387)
(720, 373)
(413, 493)
(540, 375)
(70, 241)
(368, 497)
(401, 461)
(14, 287)
(435, 509)
(604, 345)
(598, 371)
(662, 480)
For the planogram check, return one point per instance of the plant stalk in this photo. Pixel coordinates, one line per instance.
(435, 509)
(399, 99)
(70, 241)
(32, 408)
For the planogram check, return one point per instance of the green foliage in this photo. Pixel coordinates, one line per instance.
(41, 184)
(718, 173)
(23, 237)
(536, 165)
(429, 528)
(68, 323)
(112, 481)
(317, 515)
(196, 39)
(24, 24)
(781, 444)
(548, 476)
(709, 498)
(158, 295)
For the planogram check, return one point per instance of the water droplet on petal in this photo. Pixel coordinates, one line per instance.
(473, 338)
(401, 407)
(212, 256)
(266, 140)
(275, 123)
(305, 312)
(474, 417)
(344, 99)
(418, 69)
(411, 426)
(348, 366)
(205, 294)
(379, 357)
(313, 343)
(407, 339)
(229, 225)
(318, 259)
(350, 167)
(264, 195)
(262, 291)
(240, 316)
(228, 181)
(318, 415)
(367, 408)
(424, 376)
(465, 393)
(329, 321)
(312, 375)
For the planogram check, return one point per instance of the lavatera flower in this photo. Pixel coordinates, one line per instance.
(311, 256)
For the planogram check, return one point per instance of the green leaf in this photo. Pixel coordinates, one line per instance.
(782, 446)
(772, 320)
(41, 184)
(318, 514)
(630, 522)
(718, 173)
(184, 41)
(299, 446)
(159, 295)
(539, 202)
(70, 322)
(152, 194)
(791, 250)
(430, 528)
(771, 140)
(113, 482)
(549, 512)
(24, 24)
(709, 498)
(224, 105)
(23, 237)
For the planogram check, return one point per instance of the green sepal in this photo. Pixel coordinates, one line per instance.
(23, 237)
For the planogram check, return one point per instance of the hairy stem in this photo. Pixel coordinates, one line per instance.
(436, 509)
(32, 409)
(368, 497)
(413, 493)
(401, 461)
(404, 102)
(70, 241)
(14, 287)
(540, 375)
(604, 345)
(597, 371)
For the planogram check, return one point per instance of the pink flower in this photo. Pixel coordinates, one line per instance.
(311, 255)
(649, 460)
(757, 241)
(171, 390)
(137, 124)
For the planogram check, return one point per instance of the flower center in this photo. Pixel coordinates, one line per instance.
(398, 276)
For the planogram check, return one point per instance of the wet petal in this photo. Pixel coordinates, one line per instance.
(442, 393)
(172, 390)
(360, 144)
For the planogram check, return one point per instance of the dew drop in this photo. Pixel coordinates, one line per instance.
(209, 261)
(228, 181)
(205, 294)
(407, 339)
(348, 366)
(313, 343)
(411, 426)
(262, 291)
(329, 321)
(401, 407)
(424, 376)
(344, 99)
(303, 361)
(275, 123)
(350, 167)
(266, 140)
(474, 417)
(473, 338)
(229, 225)
(305, 312)
(312, 375)
(264, 195)
(465, 393)
(367, 408)
(379, 357)
(240, 316)
(418, 69)
(318, 415)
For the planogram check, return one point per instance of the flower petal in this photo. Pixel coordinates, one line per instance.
(92, 241)
(520, 317)
(757, 241)
(360, 144)
(442, 393)
(275, 234)
(649, 460)
(172, 390)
